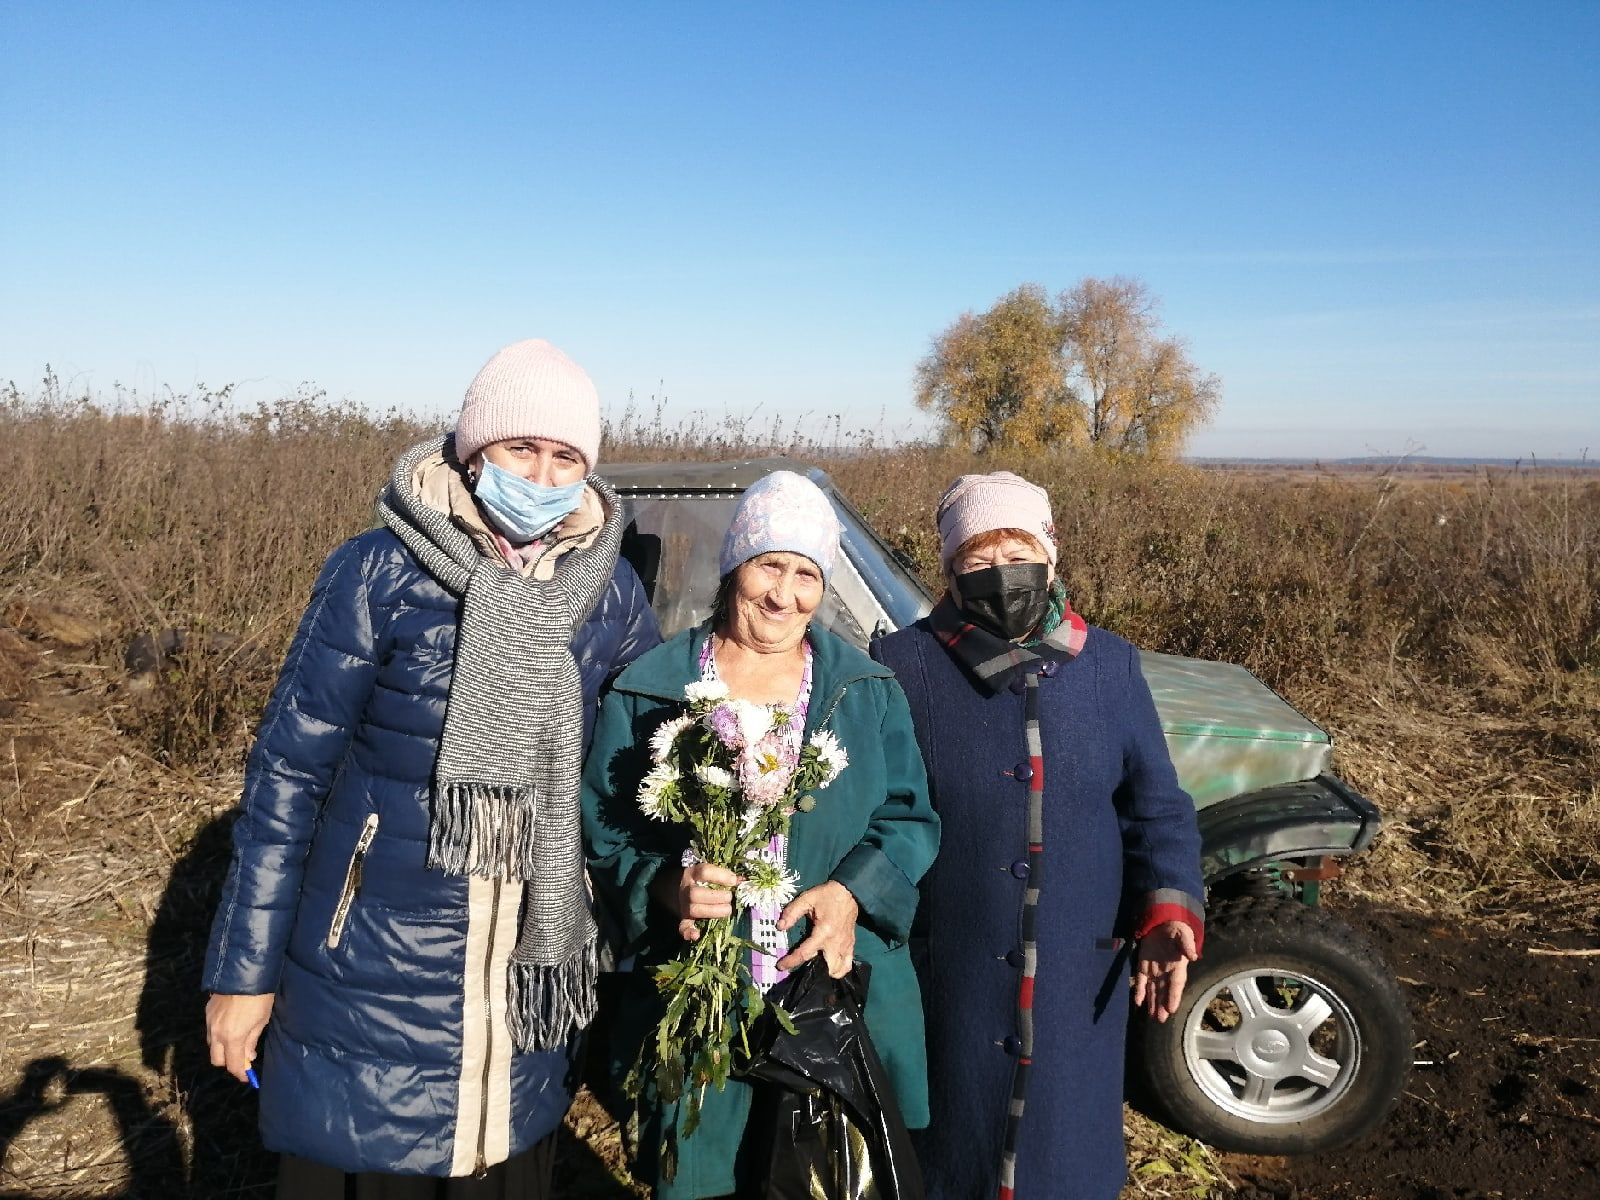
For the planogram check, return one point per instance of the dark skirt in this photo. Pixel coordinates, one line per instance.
(525, 1177)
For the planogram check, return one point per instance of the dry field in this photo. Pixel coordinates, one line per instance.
(154, 558)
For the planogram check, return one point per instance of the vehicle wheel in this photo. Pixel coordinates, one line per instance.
(1292, 1035)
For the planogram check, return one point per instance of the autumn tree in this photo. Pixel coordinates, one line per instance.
(1092, 369)
(995, 377)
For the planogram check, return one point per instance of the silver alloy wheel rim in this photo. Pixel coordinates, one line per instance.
(1266, 1068)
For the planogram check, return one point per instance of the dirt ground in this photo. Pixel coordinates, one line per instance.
(109, 868)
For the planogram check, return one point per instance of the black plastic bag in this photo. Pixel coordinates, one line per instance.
(824, 1124)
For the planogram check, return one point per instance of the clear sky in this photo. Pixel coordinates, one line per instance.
(1379, 224)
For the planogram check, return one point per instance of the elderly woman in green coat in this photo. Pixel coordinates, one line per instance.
(858, 852)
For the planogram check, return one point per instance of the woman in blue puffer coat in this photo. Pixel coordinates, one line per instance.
(407, 900)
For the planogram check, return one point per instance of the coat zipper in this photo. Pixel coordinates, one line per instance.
(482, 1167)
(352, 880)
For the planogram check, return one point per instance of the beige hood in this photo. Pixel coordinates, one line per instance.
(441, 483)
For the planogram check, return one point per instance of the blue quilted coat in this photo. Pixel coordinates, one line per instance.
(387, 1049)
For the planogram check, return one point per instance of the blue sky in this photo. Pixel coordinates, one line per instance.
(1379, 224)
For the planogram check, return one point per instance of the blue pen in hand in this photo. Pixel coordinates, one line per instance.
(250, 1074)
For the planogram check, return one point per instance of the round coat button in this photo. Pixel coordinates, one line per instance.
(1020, 869)
(1049, 668)
(1023, 772)
(1013, 1045)
(1016, 958)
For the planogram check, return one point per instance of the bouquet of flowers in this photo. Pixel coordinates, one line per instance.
(730, 771)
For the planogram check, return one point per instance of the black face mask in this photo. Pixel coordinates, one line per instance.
(1009, 601)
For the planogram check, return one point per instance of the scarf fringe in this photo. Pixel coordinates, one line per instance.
(550, 1003)
(483, 829)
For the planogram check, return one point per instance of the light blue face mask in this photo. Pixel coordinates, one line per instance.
(519, 508)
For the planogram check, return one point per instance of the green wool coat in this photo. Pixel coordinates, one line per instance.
(873, 830)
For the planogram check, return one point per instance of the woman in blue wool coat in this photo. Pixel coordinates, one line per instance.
(407, 903)
(1066, 841)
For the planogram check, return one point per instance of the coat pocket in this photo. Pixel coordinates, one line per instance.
(921, 954)
(352, 880)
(1114, 956)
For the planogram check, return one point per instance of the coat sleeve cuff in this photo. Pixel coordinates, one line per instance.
(1170, 904)
(887, 898)
(247, 971)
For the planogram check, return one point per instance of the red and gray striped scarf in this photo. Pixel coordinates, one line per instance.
(994, 663)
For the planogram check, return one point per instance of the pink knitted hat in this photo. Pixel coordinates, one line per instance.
(530, 389)
(975, 504)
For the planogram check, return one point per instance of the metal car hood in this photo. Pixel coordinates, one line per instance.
(1228, 732)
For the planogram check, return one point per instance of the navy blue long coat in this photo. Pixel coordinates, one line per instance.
(387, 1049)
(1117, 830)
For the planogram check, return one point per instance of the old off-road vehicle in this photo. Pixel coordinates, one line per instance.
(1293, 1035)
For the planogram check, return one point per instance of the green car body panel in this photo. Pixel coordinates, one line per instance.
(1228, 732)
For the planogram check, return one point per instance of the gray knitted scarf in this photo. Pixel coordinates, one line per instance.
(505, 794)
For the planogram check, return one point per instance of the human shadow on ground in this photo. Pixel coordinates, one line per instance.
(153, 1155)
(226, 1158)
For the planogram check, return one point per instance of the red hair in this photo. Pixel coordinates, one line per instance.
(990, 538)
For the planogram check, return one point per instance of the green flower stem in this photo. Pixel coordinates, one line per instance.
(711, 998)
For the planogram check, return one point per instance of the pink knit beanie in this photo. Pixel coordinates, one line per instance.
(975, 504)
(530, 389)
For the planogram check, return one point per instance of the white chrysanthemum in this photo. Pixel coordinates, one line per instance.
(714, 776)
(833, 756)
(755, 720)
(653, 788)
(708, 690)
(750, 818)
(766, 882)
(667, 733)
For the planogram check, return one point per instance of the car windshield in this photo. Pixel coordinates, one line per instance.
(673, 540)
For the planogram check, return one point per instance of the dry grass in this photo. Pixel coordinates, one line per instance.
(1446, 630)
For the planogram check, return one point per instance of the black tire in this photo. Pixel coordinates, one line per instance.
(1225, 1068)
